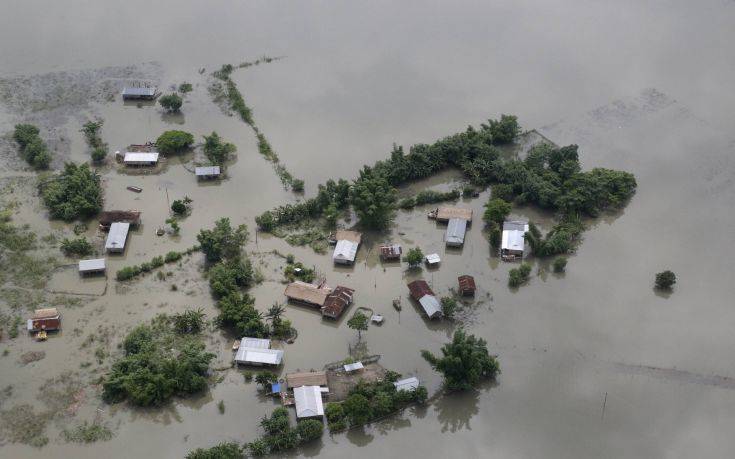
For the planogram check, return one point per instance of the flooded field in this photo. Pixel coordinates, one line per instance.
(595, 362)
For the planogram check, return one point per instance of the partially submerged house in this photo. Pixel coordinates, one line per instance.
(456, 229)
(117, 237)
(109, 217)
(444, 214)
(309, 294)
(140, 158)
(513, 241)
(408, 384)
(308, 401)
(47, 319)
(390, 252)
(94, 266)
(311, 378)
(138, 93)
(466, 285)
(337, 301)
(353, 367)
(207, 172)
(421, 292)
(257, 351)
(433, 259)
(345, 250)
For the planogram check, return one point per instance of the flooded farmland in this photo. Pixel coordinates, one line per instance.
(595, 362)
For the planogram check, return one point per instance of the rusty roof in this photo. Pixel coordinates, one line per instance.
(337, 301)
(419, 289)
(466, 283)
(125, 216)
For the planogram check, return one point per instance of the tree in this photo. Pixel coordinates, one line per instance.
(559, 264)
(495, 211)
(264, 378)
(79, 246)
(464, 362)
(74, 193)
(24, 133)
(171, 102)
(374, 199)
(414, 257)
(504, 130)
(309, 430)
(520, 275)
(357, 409)
(275, 312)
(217, 151)
(178, 207)
(189, 321)
(297, 185)
(175, 228)
(226, 450)
(358, 322)
(449, 306)
(223, 241)
(99, 154)
(665, 280)
(495, 236)
(171, 142)
(32, 148)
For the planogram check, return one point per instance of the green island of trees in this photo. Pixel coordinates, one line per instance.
(414, 257)
(464, 362)
(32, 148)
(172, 142)
(159, 362)
(91, 131)
(74, 193)
(520, 275)
(79, 247)
(171, 102)
(217, 151)
(428, 197)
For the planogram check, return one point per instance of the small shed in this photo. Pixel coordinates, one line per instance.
(390, 252)
(431, 306)
(337, 301)
(353, 367)
(117, 237)
(44, 319)
(310, 294)
(433, 259)
(94, 266)
(311, 378)
(466, 285)
(207, 172)
(513, 241)
(456, 229)
(408, 384)
(345, 252)
(138, 92)
(308, 401)
(140, 158)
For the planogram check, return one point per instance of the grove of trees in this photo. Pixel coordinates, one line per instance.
(464, 362)
(32, 148)
(74, 193)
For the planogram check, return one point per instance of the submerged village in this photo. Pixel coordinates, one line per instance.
(526, 201)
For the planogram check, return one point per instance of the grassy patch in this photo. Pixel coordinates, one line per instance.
(87, 433)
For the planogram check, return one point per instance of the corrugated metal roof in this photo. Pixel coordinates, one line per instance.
(433, 258)
(138, 91)
(345, 251)
(513, 233)
(353, 366)
(97, 264)
(258, 355)
(431, 306)
(308, 400)
(419, 288)
(117, 237)
(337, 301)
(141, 157)
(255, 343)
(456, 229)
(390, 251)
(411, 383)
(207, 170)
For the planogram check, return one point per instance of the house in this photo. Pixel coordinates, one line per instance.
(207, 172)
(117, 237)
(337, 301)
(257, 351)
(311, 378)
(109, 217)
(44, 320)
(456, 229)
(408, 384)
(308, 401)
(466, 285)
(513, 242)
(390, 252)
(345, 250)
(444, 214)
(421, 292)
(433, 259)
(93, 266)
(137, 92)
(140, 158)
(353, 367)
(306, 293)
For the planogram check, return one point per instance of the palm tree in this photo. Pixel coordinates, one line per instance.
(275, 312)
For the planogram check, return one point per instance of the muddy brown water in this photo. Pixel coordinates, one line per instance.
(645, 88)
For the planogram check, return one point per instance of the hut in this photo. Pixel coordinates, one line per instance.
(337, 301)
(44, 320)
(433, 259)
(207, 172)
(139, 93)
(345, 250)
(311, 378)
(310, 294)
(408, 384)
(117, 237)
(444, 214)
(513, 241)
(421, 292)
(390, 252)
(308, 401)
(94, 266)
(466, 285)
(456, 229)
(353, 367)
(140, 158)
(257, 351)
(109, 217)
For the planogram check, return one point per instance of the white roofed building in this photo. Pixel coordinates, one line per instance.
(513, 242)
(411, 383)
(257, 351)
(345, 252)
(117, 237)
(96, 265)
(431, 305)
(139, 158)
(456, 229)
(308, 401)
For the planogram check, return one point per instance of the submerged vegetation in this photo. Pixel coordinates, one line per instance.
(75, 193)
(217, 151)
(519, 276)
(172, 142)
(665, 280)
(32, 148)
(79, 247)
(171, 102)
(130, 272)
(465, 362)
(91, 131)
(428, 197)
(87, 433)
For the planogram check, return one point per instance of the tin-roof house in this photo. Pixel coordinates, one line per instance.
(456, 229)
(513, 242)
(138, 92)
(408, 384)
(257, 351)
(207, 172)
(117, 237)
(390, 252)
(466, 285)
(94, 266)
(44, 319)
(310, 294)
(141, 158)
(308, 401)
(421, 292)
(345, 250)
(337, 301)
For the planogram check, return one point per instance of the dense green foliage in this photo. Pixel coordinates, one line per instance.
(373, 198)
(504, 130)
(216, 150)
(171, 102)
(229, 276)
(79, 246)
(665, 280)
(495, 211)
(520, 275)
(559, 264)
(359, 322)
(464, 362)
(222, 241)
(449, 307)
(297, 271)
(32, 148)
(560, 240)
(74, 193)
(189, 321)
(309, 430)
(129, 272)
(91, 131)
(226, 450)
(171, 142)
(185, 88)
(414, 257)
(428, 197)
(181, 206)
(280, 436)
(332, 195)
(237, 312)
(158, 364)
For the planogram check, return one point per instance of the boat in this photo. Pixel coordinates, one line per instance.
(397, 304)
(41, 336)
(135, 189)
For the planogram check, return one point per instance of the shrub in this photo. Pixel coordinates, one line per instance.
(32, 148)
(414, 257)
(449, 307)
(171, 102)
(223, 241)
(297, 185)
(502, 191)
(189, 321)
(99, 154)
(559, 264)
(309, 430)
(178, 207)
(185, 88)
(504, 130)
(334, 412)
(217, 151)
(226, 450)
(258, 448)
(172, 257)
(229, 276)
(128, 272)
(495, 211)
(465, 361)
(357, 409)
(665, 280)
(171, 142)
(74, 193)
(520, 275)
(495, 236)
(79, 246)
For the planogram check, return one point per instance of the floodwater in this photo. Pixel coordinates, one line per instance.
(595, 363)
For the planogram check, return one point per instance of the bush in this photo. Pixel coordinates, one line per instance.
(99, 154)
(74, 193)
(495, 211)
(223, 241)
(520, 275)
(502, 191)
(495, 236)
(189, 321)
(227, 450)
(334, 412)
(185, 88)
(309, 430)
(449, 307)
(414, 257)
(79, 246)
(171, 142)
(258, 448)
(504, 130)
(665, 280)
(217, 151)
(228, 277)
(559, 264)
(128, 272)
(357, 409)
(178, 207)
(32, 148)
(171, 102)
(172, 257)
(297, 185)
(465, 361)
